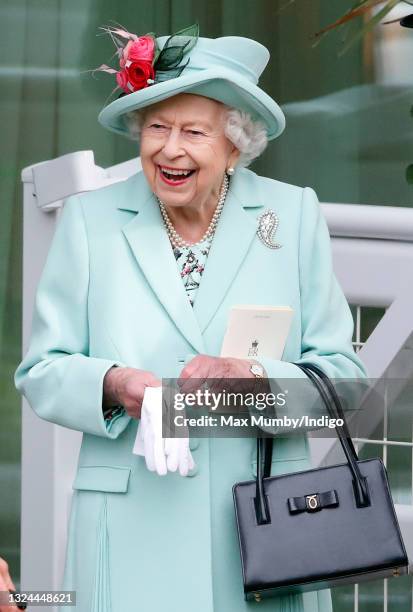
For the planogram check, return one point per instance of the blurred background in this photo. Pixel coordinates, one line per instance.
(348, 135)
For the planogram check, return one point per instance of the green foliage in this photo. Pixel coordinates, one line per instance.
(179, 44)
(357, 9)
(373, 21)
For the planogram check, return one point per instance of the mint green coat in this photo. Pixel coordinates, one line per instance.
(110, 293)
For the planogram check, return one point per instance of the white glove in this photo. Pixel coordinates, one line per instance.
(178, 455)
(149, 442)
(161, 454)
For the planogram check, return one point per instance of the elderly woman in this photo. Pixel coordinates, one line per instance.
(138, 285)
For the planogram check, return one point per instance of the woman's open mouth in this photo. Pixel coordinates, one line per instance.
(175, 176)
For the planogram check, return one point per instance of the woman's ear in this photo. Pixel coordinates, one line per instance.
(233, 158)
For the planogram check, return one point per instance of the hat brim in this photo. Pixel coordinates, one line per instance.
(216, 83)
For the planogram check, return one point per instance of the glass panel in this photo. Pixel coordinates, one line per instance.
(371, 596)
(10, 449)
(399, 592)
(372, 449)
(400, 427)
(353, 309)
(369, 451)
(343, 599)
(370, 317)
(399, 469)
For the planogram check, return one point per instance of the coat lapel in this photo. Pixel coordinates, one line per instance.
(234, 234)
(150, 245)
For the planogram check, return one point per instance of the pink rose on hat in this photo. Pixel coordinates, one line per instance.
(142, 49)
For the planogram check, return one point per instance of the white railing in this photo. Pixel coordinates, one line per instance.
(373, 257)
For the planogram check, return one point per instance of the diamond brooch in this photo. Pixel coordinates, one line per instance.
(267, 226)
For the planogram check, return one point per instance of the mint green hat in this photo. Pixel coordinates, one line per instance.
(226, 69)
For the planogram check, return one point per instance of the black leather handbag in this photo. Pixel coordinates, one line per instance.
(317, 528)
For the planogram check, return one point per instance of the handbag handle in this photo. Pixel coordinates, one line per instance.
(332, 403)
(337, 404)
(359, 482)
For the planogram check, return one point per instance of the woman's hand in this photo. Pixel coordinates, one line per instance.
(126, 387)
(6, 584)
(219, 369)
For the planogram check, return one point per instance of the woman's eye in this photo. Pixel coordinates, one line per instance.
(157, 126)
(195, 133)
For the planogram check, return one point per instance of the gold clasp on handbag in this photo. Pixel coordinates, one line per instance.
(312, 501)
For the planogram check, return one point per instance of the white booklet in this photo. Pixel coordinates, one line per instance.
(257, 331)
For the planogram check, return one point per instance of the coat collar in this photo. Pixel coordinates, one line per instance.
(150, 245)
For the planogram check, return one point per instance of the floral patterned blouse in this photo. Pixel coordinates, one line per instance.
(191, 262)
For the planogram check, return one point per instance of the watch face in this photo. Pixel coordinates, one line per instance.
(257, 370)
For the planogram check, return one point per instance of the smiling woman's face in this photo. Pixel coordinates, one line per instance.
(184, 151)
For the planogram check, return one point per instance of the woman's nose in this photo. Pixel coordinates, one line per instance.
(173, 146)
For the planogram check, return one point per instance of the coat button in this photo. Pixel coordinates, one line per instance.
(193, 443)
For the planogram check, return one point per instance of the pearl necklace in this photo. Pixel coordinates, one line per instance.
(176, 239)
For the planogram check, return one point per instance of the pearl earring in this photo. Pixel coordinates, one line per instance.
(230, 171)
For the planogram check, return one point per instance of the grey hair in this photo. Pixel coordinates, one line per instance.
(245, 133)
(248, 135)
